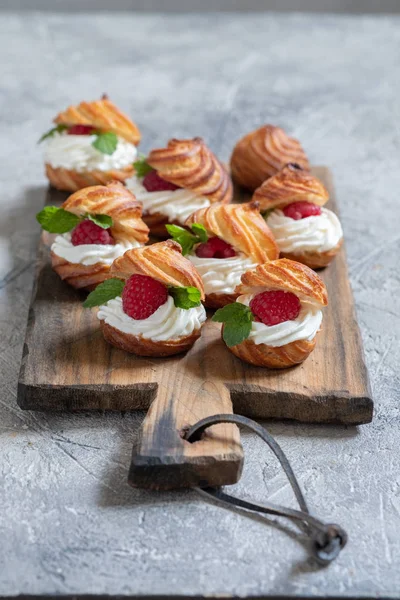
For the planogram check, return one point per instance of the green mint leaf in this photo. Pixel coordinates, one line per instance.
(186, 239)
(201, 232)
(236, 334)
(105, 142)
(57, 220)
(108, 290)
(237, 319)
(57, 129)
(142, 167)
(103, 221)
(185, 297)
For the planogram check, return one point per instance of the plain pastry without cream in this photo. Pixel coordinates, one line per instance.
(175, 181)
(262, 153)
(235, 239)
(92, 143)
(277, 315)
(154, 302)
(96, 225)
(292, 201)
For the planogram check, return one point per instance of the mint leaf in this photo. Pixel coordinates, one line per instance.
(142, 167)
(57, 220)
(45, 216)
(58, 129)
(103, 221)
(237, 319)
(201, 232)
(185, 297)
(186, 239)
(105, 142)
(108, 290)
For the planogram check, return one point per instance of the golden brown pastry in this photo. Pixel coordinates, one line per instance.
(69, 180)
(292, 202)
(237, 240)
(175, 181)
(83, 251)
(102, 115)
(275, 320)
(92, 143)
(154, 308)
(291, 184)
(262, 153)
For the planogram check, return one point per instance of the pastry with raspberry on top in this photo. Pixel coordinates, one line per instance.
(262, 153)
(275, 320)
(95, 226)
(151, 305)
(175, 181)
(92, 143)
(293, 203)
(224, 241)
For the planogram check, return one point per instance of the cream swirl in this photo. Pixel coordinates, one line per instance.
(167, 323)
(76, 153)
(318, 233)
(90, 254)
(304, 327)
(176, 205)
(221, 275)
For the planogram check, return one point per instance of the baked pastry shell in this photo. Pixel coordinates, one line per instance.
(83, 277)
(315, 260)
(67, 180)
(215, 301)
(145, 347)
(290, 185)
(156, 222)
(282, 357)
(262, 153)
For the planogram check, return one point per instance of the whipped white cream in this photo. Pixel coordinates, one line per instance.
(221, 275)
(316, 233)
(76, 153)
(176, 205)
(167, 323)
(90, 254)
(304, 327)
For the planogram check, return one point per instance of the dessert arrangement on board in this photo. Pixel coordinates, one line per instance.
(252, 261)
(144, 244)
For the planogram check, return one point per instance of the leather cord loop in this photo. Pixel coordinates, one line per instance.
(327, 539)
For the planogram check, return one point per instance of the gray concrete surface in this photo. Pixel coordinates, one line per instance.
(68, 521)
(334, 6)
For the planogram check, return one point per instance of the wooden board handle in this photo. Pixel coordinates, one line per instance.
(162, 459)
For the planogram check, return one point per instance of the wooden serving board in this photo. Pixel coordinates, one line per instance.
(67, 365)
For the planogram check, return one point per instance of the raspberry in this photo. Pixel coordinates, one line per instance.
(80, 130)
(142, 296)
(154, 183)
(276, 307)
(88, 232)
(301, 210)
(215, 248)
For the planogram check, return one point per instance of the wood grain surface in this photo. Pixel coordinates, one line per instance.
(67, 365)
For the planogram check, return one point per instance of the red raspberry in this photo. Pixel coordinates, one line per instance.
(301, 210)
(88, 232)
(80, 130)
(215, 248)
(272, 308)
(154, 183)
(142, 296)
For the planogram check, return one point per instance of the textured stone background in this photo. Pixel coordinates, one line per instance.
(68, 521)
